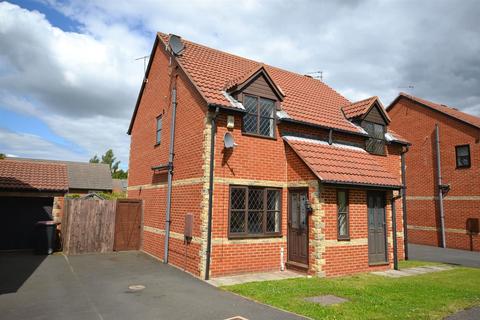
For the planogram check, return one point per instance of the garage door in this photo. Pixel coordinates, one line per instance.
(18, 218)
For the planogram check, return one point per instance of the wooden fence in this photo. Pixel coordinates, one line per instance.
(90, 225)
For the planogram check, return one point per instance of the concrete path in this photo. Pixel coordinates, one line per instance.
(252, 277)
(97, 287)
(411, 271)
(450, 256)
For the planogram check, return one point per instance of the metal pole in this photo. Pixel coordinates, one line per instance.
(170, 175)
(394, 231)
(404, 205)
(440, 192)
(210, 193)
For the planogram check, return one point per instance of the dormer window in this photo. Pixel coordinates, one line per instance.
(376, 141)
(260, 116)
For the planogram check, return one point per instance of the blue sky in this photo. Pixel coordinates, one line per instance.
(18, 122)
(69, 76)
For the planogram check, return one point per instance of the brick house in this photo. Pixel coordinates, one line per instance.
(291, 174)
(457, 192)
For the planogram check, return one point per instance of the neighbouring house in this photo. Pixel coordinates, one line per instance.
(267, 166)
(33, 190)
(119, 185)
(451, 185)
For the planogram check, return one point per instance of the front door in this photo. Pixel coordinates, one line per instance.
(377, 240)
(297, 228)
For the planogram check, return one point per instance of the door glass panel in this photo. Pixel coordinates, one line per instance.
(371, 212)
(294, 214)
(303, 211)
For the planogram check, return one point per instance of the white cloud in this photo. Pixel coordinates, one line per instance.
(83, 84)
(365, 48)
(32, 146)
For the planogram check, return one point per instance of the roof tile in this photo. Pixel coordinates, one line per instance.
(34, 176)
(358, 108)
(305, 98)
(339, 164)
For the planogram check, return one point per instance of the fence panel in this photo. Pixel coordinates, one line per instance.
(88, 226)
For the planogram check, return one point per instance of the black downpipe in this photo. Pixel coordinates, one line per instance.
(404, 205)
(394, 231)
(210, 193)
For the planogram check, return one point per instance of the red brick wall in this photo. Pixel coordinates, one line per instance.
(268, 159)
(190, 118)
(352, 257)
(417, 124)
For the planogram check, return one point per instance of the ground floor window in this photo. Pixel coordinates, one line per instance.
(254, 211)
(342, 215)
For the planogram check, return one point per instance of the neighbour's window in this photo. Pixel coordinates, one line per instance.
(159, 129)
(376, 141)
(342, 215)
(254, 211)
(260, 116)
(463, 156)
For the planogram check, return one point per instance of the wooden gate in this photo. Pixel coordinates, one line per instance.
(128, 225)
(90, 226)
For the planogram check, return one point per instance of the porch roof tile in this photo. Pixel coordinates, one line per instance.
(342, 164)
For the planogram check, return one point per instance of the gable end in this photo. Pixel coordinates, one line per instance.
(375, 115)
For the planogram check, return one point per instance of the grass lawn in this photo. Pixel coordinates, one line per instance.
(428, 296)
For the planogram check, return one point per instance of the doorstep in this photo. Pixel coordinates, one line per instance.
(254, 277)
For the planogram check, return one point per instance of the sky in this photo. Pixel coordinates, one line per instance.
(69, 74)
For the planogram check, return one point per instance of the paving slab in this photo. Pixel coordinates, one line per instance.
(411, 271)
(114, 286)
(254, 277)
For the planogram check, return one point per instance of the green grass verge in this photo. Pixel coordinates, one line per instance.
(427, 296)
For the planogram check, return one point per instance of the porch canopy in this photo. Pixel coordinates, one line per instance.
(343, 164)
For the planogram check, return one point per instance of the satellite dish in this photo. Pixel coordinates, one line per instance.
(228, 140)
(176, 44)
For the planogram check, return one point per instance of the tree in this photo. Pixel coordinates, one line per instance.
(109, 158)
(94, 159)
(120, 174)
(2, 156)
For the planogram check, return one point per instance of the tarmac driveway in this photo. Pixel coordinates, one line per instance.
(97, 287)
(451, 256)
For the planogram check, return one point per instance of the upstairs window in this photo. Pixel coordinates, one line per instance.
(159, 130)
(463, 156)
(343, 232)
(254, 212)
(376, 142)
(260, 116)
